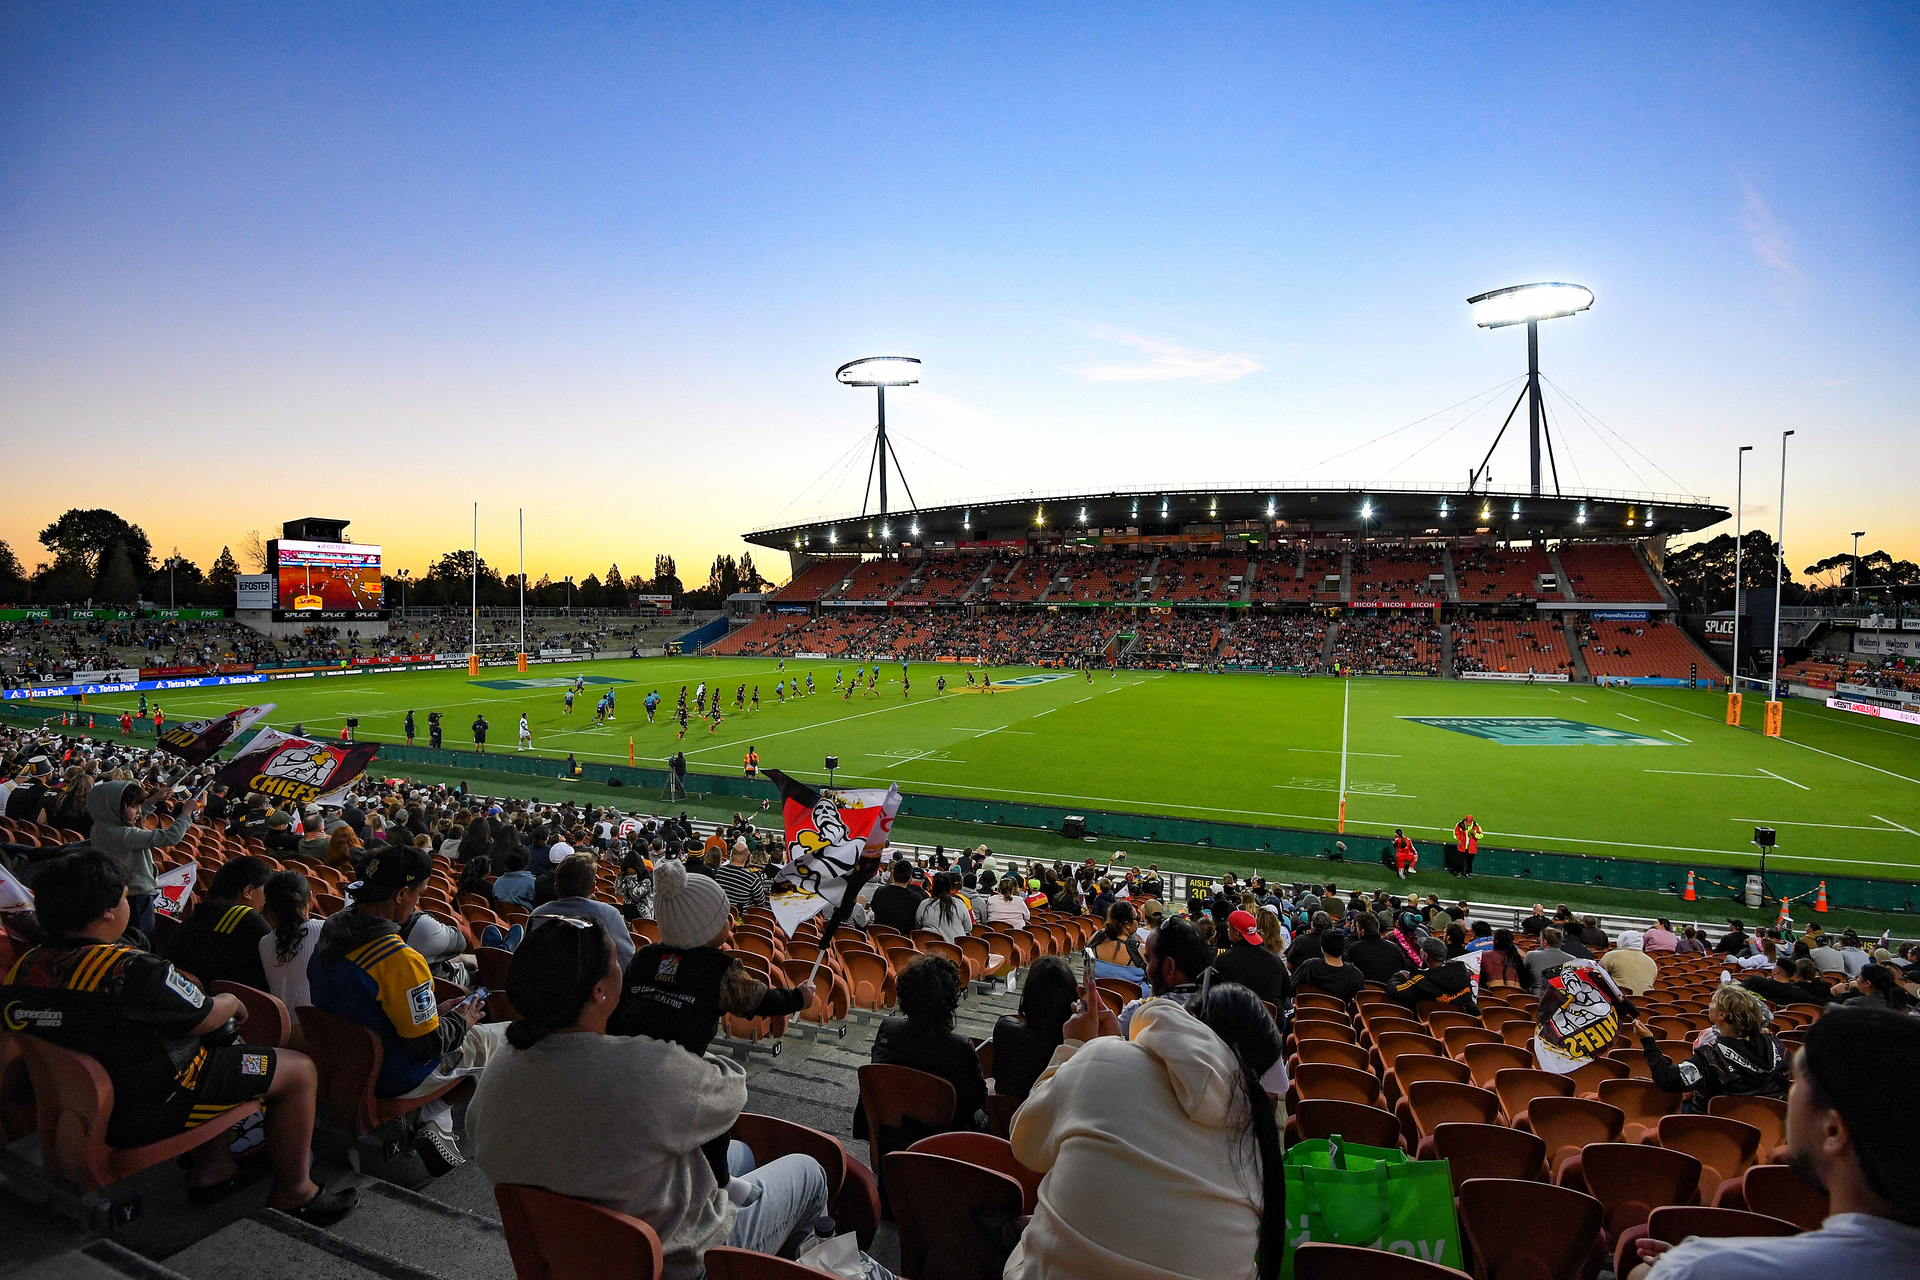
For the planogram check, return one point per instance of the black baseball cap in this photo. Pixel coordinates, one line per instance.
(392, 869)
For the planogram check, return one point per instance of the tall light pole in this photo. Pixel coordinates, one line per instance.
(473, 618)
(1779, 570)
(1739, 545)
(1529, 304)
(569, 595)
(403, 575)
(1857, 535)
(880, 372)
(523, 582)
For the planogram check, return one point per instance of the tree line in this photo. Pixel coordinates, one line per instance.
(1702, 575)
(97, 556)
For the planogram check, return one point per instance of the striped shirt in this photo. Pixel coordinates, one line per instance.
(745, 887)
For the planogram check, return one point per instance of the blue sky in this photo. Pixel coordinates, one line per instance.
(600, 262)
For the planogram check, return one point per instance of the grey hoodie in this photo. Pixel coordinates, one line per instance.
(131, 847)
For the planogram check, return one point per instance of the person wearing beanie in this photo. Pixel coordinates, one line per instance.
(1853, 1121)
(1444, 981)
(677, 988)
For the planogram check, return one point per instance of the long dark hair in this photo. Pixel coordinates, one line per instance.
(286, 895)
(552, 975)
(1047, 1000)
(473, 875)
(942, 896)
(1503, 943)
(1119, 916)
(1237, 1016)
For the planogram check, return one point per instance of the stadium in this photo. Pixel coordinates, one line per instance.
(1245, 862)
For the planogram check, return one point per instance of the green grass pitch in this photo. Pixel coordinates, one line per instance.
(1652, 773)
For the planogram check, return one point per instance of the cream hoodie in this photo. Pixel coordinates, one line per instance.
(1151, 1171)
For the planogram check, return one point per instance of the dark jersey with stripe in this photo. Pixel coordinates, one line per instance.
(126, 1008)
(220, 942)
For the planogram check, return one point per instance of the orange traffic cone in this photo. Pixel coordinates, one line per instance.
(1820, 899)
(1688, 895)
(1784, 919)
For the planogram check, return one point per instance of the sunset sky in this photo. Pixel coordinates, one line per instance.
(600, 262)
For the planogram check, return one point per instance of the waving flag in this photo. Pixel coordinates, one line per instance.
(195, 741)
(297, 771)
(173, 890)
(14, 896)
(834, 839)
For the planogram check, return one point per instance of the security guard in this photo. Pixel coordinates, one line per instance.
(167, 1046)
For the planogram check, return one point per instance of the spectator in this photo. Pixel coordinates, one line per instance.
(1482, 939)
(1849, 1134)
(220, 941)
(897, 904)
(1744, 1061)
(166, 1046)
(1660, 938)
(1853, 957)
(1376, 958)
(1023, 1043)
(1873, 989)
(118, 810)
(1117, 954)
(1306, 943)
(1592, 934)
(541, 1114)
(1248, 962)
(1176, 955)
(1329, 971)
(974, 891)
(1691, 942)
(362, 970)
(1536, 921)
(1195, 1130)
(1502, 965)
(285, 952)
(923, 1037)
(634, 887)
(514, 885)
(1547, 955)
(944, 912)
(342, 848)
(314, 842)
(574, 881)
(745, 887)
(1792, 982)
(1632, 969)
(1735, 941)
(1443, 981)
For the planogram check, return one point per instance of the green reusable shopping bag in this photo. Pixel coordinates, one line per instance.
(1343, 1193)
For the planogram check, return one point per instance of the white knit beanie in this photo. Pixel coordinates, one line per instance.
(690, 910)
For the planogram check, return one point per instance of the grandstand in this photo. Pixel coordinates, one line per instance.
(1412, 574)
(1537, 646)
(1608, 572)
(1505, 575)
(1652, 649)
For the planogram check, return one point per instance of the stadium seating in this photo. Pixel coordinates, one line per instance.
(1539, 645)
(1399, 573)
(1652, 648)
(1611, 572)
(554, 1237)
(1487, 575)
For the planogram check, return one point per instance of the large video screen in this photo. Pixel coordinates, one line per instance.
(328, 576)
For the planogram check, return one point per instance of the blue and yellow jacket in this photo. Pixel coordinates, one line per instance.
(362, 971)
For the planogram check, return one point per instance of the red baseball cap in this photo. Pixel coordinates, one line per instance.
(1242, 923)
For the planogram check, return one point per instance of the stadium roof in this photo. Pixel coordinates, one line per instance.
(1379, 511)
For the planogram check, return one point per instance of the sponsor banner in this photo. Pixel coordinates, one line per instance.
(791, 609)
(154, 673)
(1718, 626)
(992, 544)
(1902, 645)
(189, 615)
(1520, 677)
(196, 741)
(1872, 694)
(394, 660)
(298, 771)
(1625, 615)
(254, 591)
(659, 602)
(100, 615)
(329, 615)
(1401, 604)
(854, 604)
(556, 653)
(1902, 714)
(105, 677)
(911, 604)
(26, 615)
(127, 686)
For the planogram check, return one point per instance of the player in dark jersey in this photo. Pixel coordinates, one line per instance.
(756, 697)
(681, 715)
(740, 697)
(940, 686)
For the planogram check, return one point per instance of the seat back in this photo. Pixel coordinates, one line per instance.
(725, 1263)
(1724, 1147)
(555, 1237)
(1437, 1102)
(1327, 1118)
(268, 1023)
(1779, 1192)
(1768, 1115)
(1631, 1180)
(1489, 1151)
(1529, 1230)
(769, 1138)
(1641, 1102)
(18, 1115)
(1330, 1080)
(1518, 1086)
(958, 1221)
(1485, 1060)
(1675, 1223)
(1588, 1078)
(988, 1152)
(1458, 1039)
(1351, 1262)
(347, 1057)
(73, 1101)
(1567, 1125)
(1332, 1051)
(901, 1106)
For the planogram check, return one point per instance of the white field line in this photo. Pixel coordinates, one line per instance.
(1890, 822)
(1789, 741)
(1789, 781)
(1825, 826)
(1329, 751)
(1670, 733)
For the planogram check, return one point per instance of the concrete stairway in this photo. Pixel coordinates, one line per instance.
(1327, 649)
(1453, 580)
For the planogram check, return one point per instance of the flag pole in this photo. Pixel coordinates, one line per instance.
(523, 582)
(473, 616)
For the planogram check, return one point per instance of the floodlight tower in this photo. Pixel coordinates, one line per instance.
(881, 372)
(1529, 304)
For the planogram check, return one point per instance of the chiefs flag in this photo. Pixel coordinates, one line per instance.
(834, 839)
(173, 890)
(195, 741)
(297, 771)
(1578, 1016)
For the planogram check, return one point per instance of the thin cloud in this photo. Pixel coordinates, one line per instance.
(1166, 362)
(1764, 233)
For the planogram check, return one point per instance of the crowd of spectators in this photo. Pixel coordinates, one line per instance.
(1398, 644)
